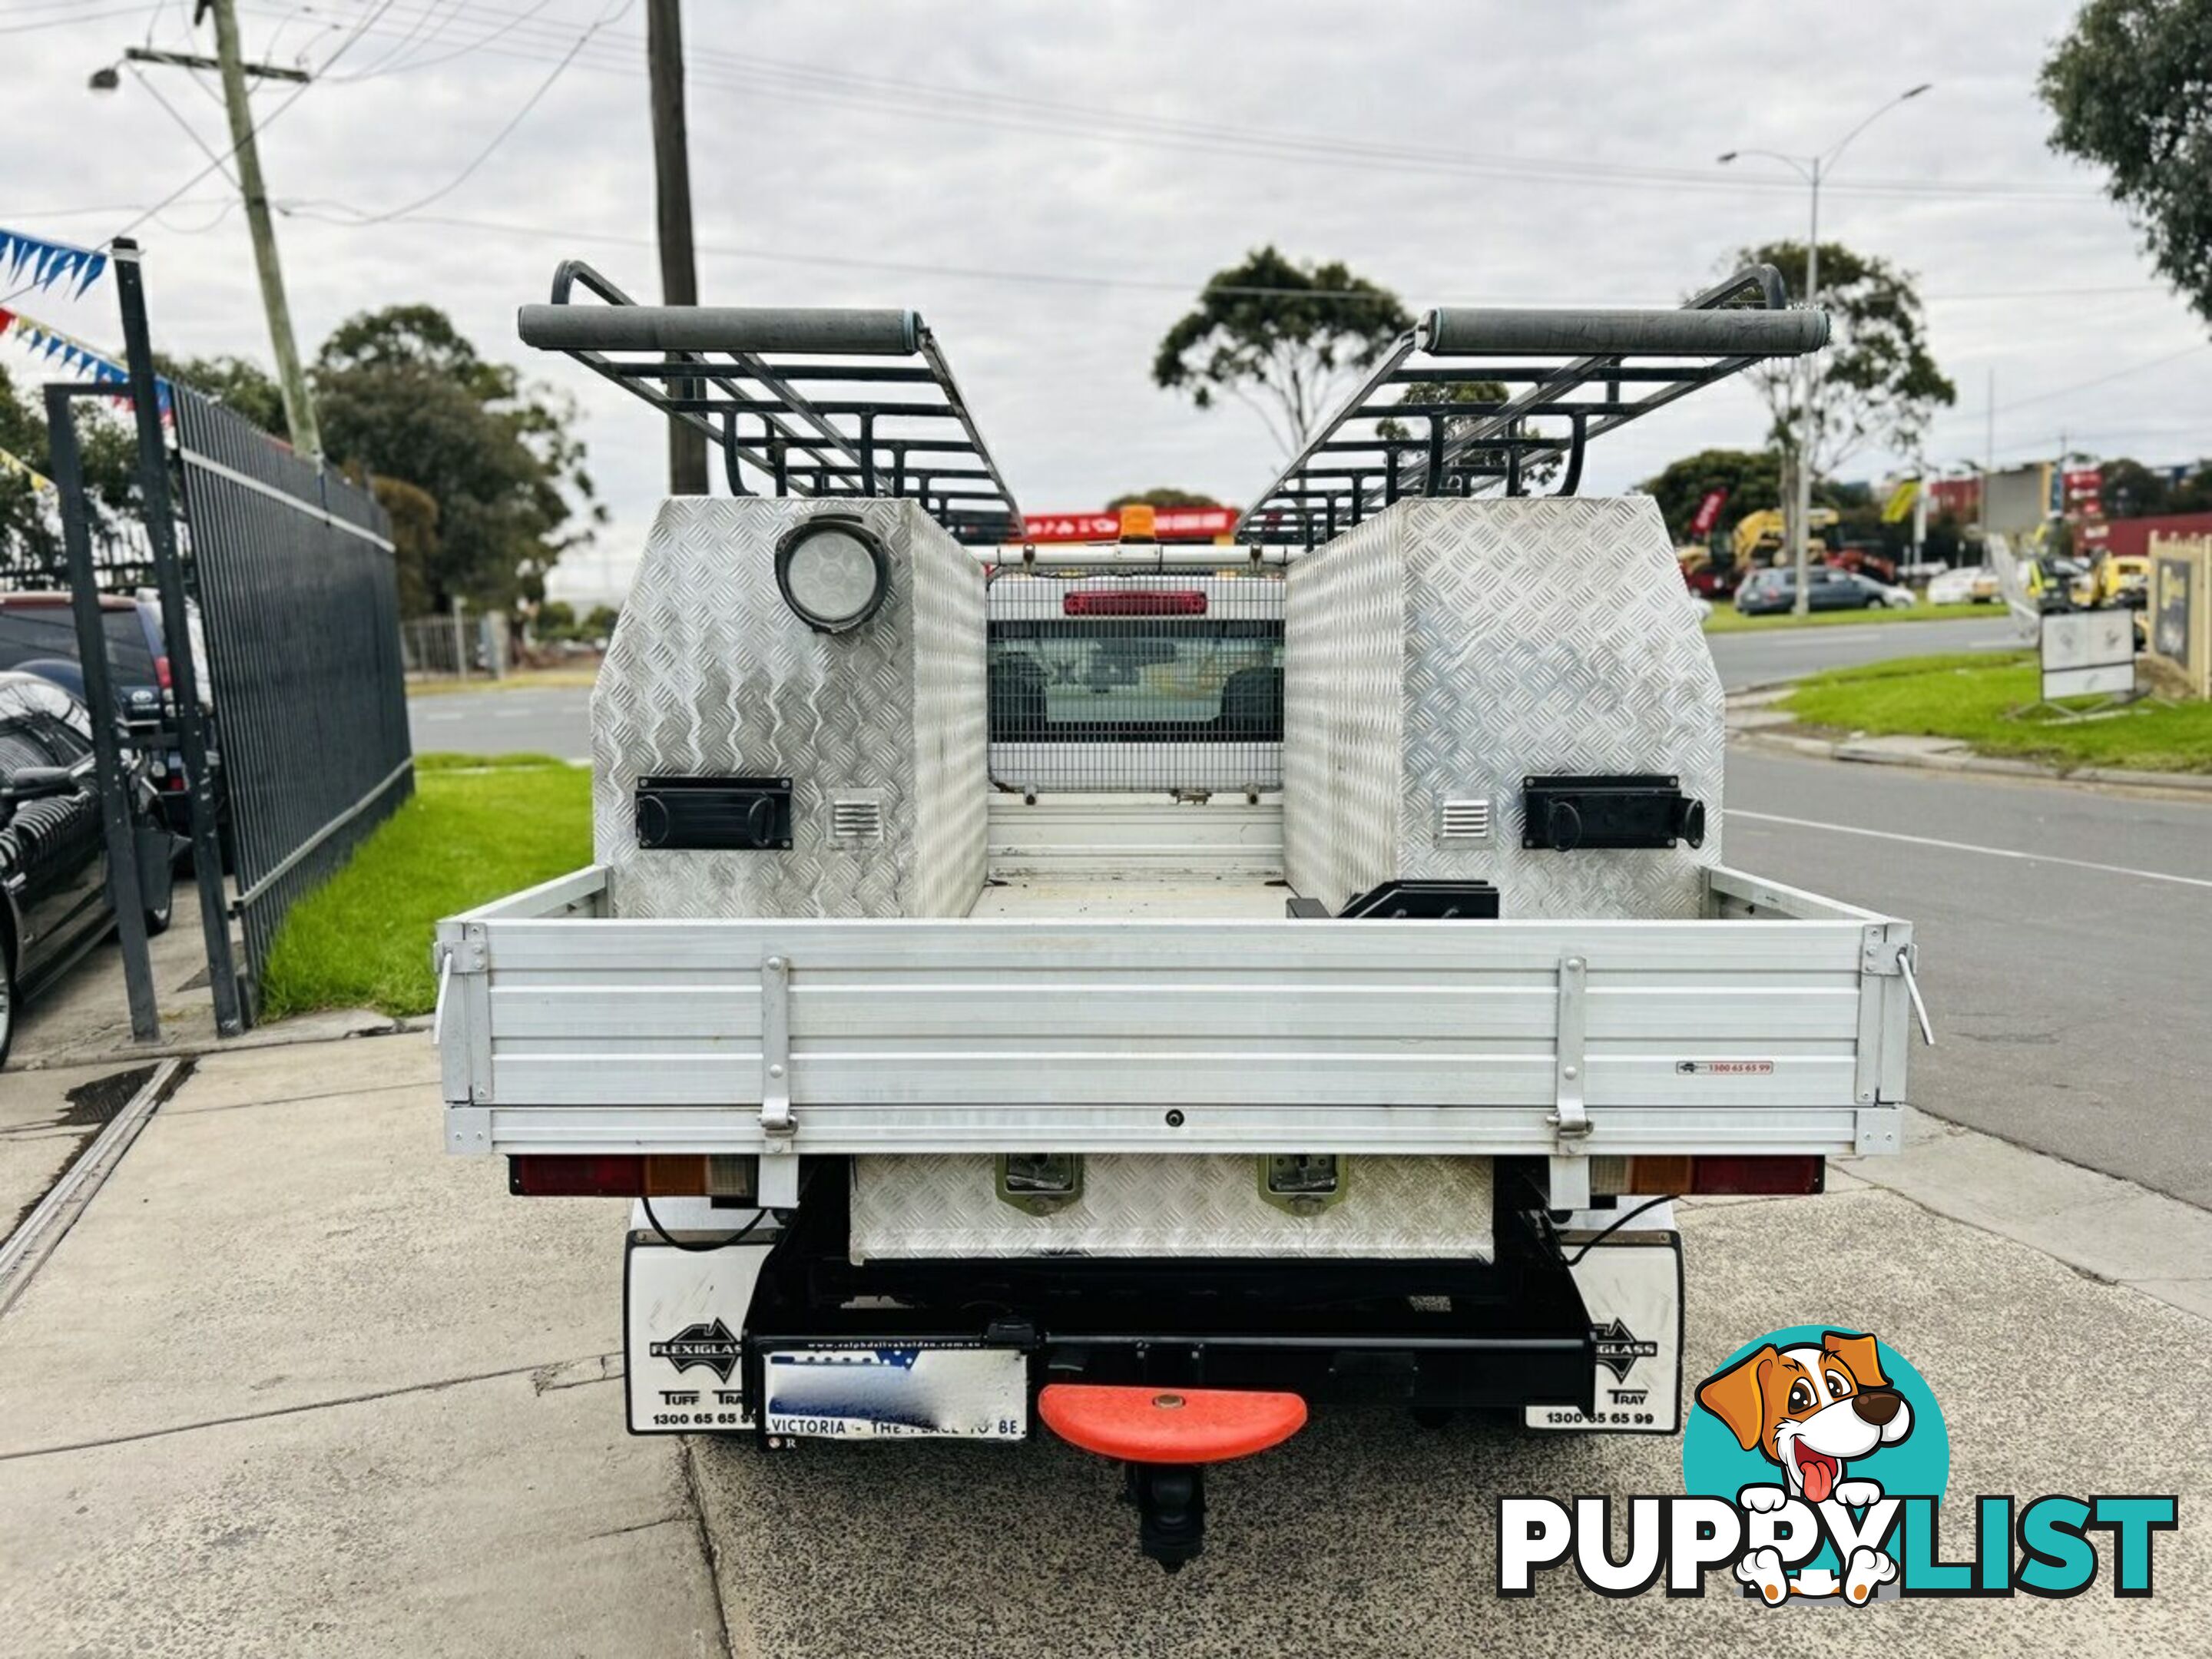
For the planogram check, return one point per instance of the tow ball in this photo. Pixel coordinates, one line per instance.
(1164, 1438)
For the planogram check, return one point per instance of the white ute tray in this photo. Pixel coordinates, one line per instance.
(1775, 1025)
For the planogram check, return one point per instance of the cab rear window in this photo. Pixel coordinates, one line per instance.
(1108, 678)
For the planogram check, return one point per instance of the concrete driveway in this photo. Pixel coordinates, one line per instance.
(297, 1383)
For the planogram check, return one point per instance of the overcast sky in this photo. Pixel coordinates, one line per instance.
(1048, 184)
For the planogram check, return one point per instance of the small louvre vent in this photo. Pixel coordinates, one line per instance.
(856, 820)
(1464, 820)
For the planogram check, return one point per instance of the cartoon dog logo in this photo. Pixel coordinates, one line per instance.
(1810, 1410)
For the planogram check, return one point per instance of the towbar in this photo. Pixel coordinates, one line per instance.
(721, 328)
(1468, 330)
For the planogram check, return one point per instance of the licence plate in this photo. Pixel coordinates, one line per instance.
(897, 1392)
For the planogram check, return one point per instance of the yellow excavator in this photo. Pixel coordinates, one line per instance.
(1758, 536)
(1758, 539)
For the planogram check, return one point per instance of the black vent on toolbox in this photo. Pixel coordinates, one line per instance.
(744, 815)
(1573, 813)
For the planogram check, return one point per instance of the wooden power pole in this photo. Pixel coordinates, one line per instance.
(299, 407)
(671, 174)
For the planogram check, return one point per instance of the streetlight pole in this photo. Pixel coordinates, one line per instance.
(1800, 535)
(1811, 170)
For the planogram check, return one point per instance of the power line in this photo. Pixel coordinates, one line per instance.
(1985, 412)
(65, 22)
(304, 209)
(2102, 379)
(260, 124)
(498, 34)
(973, 273)
(1004, 111)
(221, 162)
(423, 18)
(501, 137)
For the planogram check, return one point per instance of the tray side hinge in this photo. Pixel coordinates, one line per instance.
(1570, 1116)
(778, 1163)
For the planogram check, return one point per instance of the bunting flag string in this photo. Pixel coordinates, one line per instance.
(34, 262)
(75, 356)
(16, 464)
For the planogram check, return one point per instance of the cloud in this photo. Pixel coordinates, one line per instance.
(1456, 152)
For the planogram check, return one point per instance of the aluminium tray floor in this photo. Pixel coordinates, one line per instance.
(1039, 898)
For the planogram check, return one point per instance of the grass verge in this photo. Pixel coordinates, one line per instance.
(475, 830)
(1977, 697)
(1727, 619)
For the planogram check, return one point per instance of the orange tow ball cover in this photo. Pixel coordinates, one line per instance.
(1169, 1424)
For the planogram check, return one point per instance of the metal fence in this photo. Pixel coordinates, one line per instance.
(293, 572)
(462, 646)
(121, 557)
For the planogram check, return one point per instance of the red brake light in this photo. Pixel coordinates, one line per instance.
(162, 671)
(1175, 602)
(1758, 1175)
(1767, 1176)
(621, 1175)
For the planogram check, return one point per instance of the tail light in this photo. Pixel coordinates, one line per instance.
(1709, 1176)
(162, 672)
(680, 1175)
(1142, 602)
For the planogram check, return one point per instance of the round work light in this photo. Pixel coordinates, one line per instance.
(833, 572)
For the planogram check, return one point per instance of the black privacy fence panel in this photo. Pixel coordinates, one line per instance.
(300, 599)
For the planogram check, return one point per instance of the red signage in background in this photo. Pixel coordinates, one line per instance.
(2130, 537)
(1708, 513)
(2082, 494)
(1960, 496)
(1169, 523)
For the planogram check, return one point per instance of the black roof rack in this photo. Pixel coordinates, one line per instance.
(1559, 368)
(775, 390)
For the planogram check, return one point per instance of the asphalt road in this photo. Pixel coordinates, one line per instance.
(2071, 989)
(547, 720)
(556, 719)
(1766, 655)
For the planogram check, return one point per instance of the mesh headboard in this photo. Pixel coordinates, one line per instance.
(1443, 651)
(711, 674)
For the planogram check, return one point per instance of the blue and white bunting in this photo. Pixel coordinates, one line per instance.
(72, 356)
(34, 262)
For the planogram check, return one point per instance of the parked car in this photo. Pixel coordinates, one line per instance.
(1770, 593)
(1970, 584)
(53, 848)
(38, 635)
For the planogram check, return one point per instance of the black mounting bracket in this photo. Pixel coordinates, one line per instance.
(742, 815)
(1577, 812)
(1424, 901)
